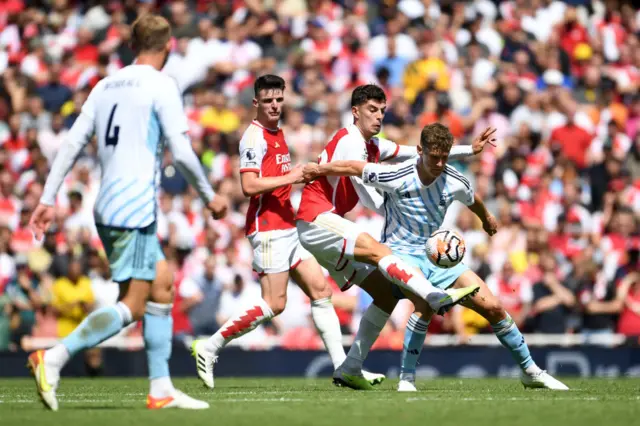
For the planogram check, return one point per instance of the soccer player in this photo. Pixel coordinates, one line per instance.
(417, 193)
(349, 253)
(130, 113)
(266, 177)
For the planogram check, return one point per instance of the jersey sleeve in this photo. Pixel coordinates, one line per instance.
(170, 110)
(386, 177)
(462, 189)
(460, 151)
(252, 150)
(388, 150)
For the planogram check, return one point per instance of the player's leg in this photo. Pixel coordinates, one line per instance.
(385, 299)
(414, 337)
(362, 247)
(103, 323)
(274, 294)
(157, 329)
(309, 276)
(418, 324)
(307, 273)
(271, 262)
(488, 305)
(398, 271)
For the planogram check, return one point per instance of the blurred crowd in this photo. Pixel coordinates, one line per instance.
(558, 79)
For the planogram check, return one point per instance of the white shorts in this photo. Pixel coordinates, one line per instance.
(332, 239)
(277, 251)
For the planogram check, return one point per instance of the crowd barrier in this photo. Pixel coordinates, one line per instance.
(564, 355)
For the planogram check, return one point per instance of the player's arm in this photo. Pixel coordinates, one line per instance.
(457, 152)
(253, 184)
(252, 150)
(174, 128)
(335, 168)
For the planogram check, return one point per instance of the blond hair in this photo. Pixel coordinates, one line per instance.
(150, 33)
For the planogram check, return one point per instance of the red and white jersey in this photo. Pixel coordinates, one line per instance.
(341, 194)
(264, 151)
(513, 293)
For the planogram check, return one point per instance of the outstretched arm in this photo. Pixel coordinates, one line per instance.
(252, 184)
(354, 170)
(335, 168)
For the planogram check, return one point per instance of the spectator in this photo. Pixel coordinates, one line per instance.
(597, 299)
(200, 299)
(559, 82)
(552, 301)
(24, 301)
(73, 298)
(629, 289)
(513, 290)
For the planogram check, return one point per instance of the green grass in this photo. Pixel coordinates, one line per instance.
(264, 402)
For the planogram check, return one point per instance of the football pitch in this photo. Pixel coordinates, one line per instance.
(265, 402)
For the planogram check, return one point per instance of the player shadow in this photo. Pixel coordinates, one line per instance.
(98, 407)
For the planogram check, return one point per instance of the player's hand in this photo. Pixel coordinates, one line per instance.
(296, 174)
(41, 220)
(311, 172)
(487, 137)
(218, 206)
(490, 225)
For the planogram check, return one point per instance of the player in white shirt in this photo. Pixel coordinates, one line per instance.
(131, 113)
(348, 252)
(417, 193)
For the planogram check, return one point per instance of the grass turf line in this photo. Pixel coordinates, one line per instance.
(265, 402)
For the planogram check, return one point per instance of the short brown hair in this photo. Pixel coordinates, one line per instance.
(150, 33)
(436, 137)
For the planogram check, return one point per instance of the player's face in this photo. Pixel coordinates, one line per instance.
(433, 161)
(269, 103)
(369, 116)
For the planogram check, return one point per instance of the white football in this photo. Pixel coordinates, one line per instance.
(445, 248)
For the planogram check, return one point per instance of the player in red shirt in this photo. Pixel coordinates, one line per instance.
(347, 251)
(266, 177)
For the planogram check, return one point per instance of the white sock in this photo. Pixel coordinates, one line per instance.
(400, 273)
(239, 325)
(371, 324)
(57, 356)
(410, 377)
(533, 369)
(161, 387)
(328, 326)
